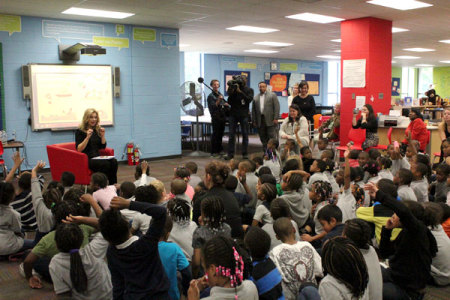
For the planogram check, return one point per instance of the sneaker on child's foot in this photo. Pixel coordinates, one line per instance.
(22, 271)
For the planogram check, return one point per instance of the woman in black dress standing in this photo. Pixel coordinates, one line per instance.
(307, 105)
(89, 139)
(367, 121)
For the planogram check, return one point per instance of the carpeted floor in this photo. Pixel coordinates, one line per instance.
(15, 287)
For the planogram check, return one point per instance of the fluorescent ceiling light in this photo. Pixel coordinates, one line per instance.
(419, 49)
(400, 4)
(184, 45)
(445, 61)
(336, 40)
(445, 41)
(424, 65)
(261, 51)
(338, 51)
(393, 62)
(252, 29)
(397, 29)
(406, 57)
(315, 18)
(329, 56)
(97, 13)
(273, 44)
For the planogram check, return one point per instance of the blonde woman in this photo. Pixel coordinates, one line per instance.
(444, 126)
(294, 93)
(89, 139)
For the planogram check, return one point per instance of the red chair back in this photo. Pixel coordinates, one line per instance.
(323, 119)
(389, 135)
(1, 148)
(357, 136)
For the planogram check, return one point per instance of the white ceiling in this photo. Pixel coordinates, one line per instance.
(202, 23)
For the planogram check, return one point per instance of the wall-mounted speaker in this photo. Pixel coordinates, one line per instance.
(116, 82)
(26, 84)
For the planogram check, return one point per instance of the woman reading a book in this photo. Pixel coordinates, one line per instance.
(89, 139)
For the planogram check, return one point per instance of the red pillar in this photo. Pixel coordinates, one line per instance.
(370, 39)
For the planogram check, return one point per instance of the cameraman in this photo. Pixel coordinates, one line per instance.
(218, 109)
(239, 99)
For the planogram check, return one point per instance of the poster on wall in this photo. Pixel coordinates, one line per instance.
(395, 86)
(313, 83)
(279, 83)
(228, 75)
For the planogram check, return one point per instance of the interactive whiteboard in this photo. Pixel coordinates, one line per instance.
(61, 94)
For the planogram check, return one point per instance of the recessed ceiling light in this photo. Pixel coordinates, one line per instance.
(336, 40)
(273, 44)
(445, 61)
(398, 29)
(338, 51)
(315, 18)
(406, 57)
(329, 56)
(445, 41)
(97, 13)
(184, 45)
(261, 51)
(252, 29)
(419, 49)
(424, 65)
(400, 4)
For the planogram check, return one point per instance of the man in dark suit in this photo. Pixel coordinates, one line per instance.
(265, 113)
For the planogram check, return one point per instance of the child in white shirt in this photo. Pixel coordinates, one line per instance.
(385, 164)
(266, 193)
(420, 183)
(297, 262)
(272, 158)
(346, 201)
(317, 168)
(142, 174)
(403, 179)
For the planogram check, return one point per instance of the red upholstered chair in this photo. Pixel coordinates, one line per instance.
(64, 157)
(323, 119)
(383, 147)
(2, 161)
(357, 136)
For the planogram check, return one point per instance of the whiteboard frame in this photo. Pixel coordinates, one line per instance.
(75, 127)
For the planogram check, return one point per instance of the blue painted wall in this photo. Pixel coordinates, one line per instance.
(147, 112)
(216, 64)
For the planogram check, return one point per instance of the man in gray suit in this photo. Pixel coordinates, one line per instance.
(265, 113)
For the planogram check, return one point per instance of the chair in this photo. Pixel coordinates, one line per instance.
(2, 162)
(323, 119)
(64, 157)
(316, 120)
(357, 136)
(186, 132)
(383, 147)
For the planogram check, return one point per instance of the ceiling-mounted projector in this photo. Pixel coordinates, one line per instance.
(72, 53)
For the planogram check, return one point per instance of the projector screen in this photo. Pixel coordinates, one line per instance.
(61, 94)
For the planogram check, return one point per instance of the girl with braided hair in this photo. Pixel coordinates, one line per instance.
(216, 173)
(347, 276)
(80, 273)
(360, 232)
(225, 270)
(212, 222)
(183, 227)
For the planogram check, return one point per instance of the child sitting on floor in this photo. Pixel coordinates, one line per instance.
(266, 193)
(319, 148)
(420, 183)
(330, 217)
(183, 173)
(194, 179)
(292, 253)
(265, 274)
(103, 193)
(306, 158)
(439, 188)
(145, 194)
(178, 189)
(296, 195)
(403, 179)
(142, 174)
(385, 164)
(317, 169)
(272, 158)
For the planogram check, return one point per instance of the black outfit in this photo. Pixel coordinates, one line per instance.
(218, 118)
(371, 127)
(410, 253)
(307, 107)
(106, 166)
(232, 211)
(137, 271)
(239, 113)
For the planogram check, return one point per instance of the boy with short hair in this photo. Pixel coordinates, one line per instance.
(178, 189)
(439, 189)
(403, 179)
(330, 217)
(146, 194)
(420, 183)
(264, 274)
(194, 179)
(317, 168)
(67, 180)
(321, 146)
(127, 190)
(292, 253)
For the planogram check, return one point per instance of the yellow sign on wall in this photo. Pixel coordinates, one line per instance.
(247, 66)
(288, 67)
(144, 34)
(10, 23)
(106, 41)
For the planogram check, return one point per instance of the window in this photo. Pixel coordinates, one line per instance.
(425, 81)
(334, 90)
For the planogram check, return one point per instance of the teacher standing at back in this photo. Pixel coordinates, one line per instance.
(89, 139)
(306, 104)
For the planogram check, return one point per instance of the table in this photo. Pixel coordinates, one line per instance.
(398, 134)
(13, 144)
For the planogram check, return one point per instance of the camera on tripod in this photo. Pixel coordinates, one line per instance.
(233, 84)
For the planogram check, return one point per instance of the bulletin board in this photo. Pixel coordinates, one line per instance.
(395, 86)
(228, 75)
(279, 82)
(313, 83)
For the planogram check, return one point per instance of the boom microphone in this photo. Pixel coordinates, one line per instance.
(201, 80)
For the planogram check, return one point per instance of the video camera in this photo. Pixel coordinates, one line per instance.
(233, 84)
